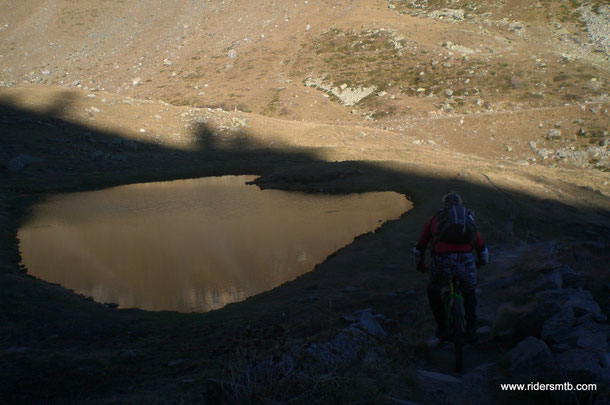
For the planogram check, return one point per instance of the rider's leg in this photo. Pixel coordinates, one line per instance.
(440, 273)
(436, 305)
(467, 274)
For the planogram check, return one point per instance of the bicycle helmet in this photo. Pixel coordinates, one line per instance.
(451, 199)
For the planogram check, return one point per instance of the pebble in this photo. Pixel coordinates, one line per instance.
(175, 363)
(16, 349)
(128, 353)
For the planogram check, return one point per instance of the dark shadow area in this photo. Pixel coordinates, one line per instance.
(59, 347)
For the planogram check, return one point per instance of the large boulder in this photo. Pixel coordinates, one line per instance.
(584, 366)
(553, 329)
(550, 311)
(369, 324)
(532, 360)
(580, 300)
(530, 324)
(584, 334)
(547, 280)
(570, 278)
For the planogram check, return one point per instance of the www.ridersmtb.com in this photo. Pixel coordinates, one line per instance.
(537, 386)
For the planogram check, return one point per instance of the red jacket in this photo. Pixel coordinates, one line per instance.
(445, 247)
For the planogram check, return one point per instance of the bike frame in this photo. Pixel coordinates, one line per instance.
(454, 318)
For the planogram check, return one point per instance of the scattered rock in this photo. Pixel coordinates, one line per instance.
(343, 349)
(375, 358)
(450, 15)
(16, 164)
(478, 384)
(370, 325)
(237, 122)
(593, 341)
(570, 279)
(175, 363)
(484, 332)
(439, 386)
(402, 401)
(137, 81)
(551, 280)
(515, 83)
(458, 48)
(201, 120)
(129, 353)
(16, 350)
(553, 134)
(131, 145)
(21, 162)
(97, 154)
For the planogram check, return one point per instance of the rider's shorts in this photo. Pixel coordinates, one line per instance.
(445, 266)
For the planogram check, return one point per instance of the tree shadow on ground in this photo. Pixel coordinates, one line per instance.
(64, 347)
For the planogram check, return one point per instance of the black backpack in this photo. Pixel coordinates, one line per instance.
(455, 225)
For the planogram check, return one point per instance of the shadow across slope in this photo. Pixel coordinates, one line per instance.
(60, 347)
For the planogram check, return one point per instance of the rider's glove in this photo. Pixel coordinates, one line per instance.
(483, 257)
(419, 259)
(417, 253)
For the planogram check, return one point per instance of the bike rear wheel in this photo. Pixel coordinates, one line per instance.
(458, 332)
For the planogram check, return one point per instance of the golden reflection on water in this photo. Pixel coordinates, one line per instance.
(192, 245)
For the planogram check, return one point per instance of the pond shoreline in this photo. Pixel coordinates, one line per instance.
(191, 245)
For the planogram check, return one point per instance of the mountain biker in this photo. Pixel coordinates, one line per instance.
(452, 255)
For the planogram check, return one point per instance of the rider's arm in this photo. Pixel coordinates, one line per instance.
(481, 249)
(425, 236)
(478, 242)
(420, 250)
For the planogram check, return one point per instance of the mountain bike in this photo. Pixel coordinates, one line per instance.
(454, 318)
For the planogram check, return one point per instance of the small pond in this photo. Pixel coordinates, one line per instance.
(191, 245)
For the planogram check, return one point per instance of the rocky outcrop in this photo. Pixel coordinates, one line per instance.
(558, 330)
(348, 96)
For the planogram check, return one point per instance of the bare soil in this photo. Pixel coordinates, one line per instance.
(115, 92)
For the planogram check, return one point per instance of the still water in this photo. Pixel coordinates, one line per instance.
(191, 245)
